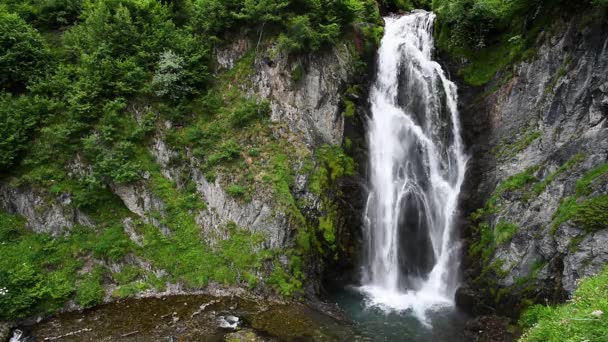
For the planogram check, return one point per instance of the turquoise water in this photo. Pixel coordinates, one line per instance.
(374, 324)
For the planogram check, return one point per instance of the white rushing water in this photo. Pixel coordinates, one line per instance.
(417, 167)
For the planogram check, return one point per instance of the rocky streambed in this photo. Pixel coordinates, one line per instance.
(191, 318)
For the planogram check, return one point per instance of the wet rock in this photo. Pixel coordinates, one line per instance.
(5, 331)
(490, 329)
(245, 335)
(228, 322)
(469, 301)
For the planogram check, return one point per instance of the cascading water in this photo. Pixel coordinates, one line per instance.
(417, 167)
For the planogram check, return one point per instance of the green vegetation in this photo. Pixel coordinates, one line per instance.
(23, 54)
(89, 291)
(590, 213)
(333, 164)
(583, 184)
(511, 150)
(504, 232)
(493, 34)
(583, 318)
(83, 87)
(576, 159)
(40, 272)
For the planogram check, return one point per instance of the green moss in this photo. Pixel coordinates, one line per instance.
(328, 229)
(484, 245)
(592, 214)
(349, 109)
(573, 321)
(583, 184)
(566, 210)
(504, 232)
(333, 163)
(576, 159)
(511, 150)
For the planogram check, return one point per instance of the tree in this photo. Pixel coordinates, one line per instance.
(23, 54)
(169, 77)
(19, 115)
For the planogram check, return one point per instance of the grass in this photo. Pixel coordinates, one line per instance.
(504, 232)
(592, 214)
(511, 150)
(41, 272)
(540, 187)
(583, 318)
(583, 184)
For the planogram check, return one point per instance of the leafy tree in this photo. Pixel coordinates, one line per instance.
(19, 115)
(23, 54)
(169, 77)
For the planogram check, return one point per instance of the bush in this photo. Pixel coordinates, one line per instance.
(169, 77)
(19, 116)
(592, 214)
(89, 290)
(23, 54)
(248, 111)
(112, 243)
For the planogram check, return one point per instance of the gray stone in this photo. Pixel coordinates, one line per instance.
(560, 94)
(54, 216)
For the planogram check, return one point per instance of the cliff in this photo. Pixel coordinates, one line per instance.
(538, 177)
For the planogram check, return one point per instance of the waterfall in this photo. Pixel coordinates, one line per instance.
(417, 167)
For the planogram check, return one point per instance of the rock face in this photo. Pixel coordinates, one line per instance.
(305, 97)
(54, 216)
(531, 141)
(306, 94)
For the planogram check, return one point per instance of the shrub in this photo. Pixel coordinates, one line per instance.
(89, 290)
(248, 111)
(236, 190)
(169, 77)
(23, 54)
(592, 214)
(112, 243)
(19, 116)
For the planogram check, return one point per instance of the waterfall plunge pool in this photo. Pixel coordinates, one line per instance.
(382, 324)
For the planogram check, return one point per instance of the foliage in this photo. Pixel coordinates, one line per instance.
(583, 318)
(583, 184)
(304, 25)
(169, 77)
(19, 116)
(47, 14)
(89, 291)
(541, 186)
(23, 54)
(511, 150)
(592, 214)
(79, 103)
(494, 34)
(40, 272)
(504, 231)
